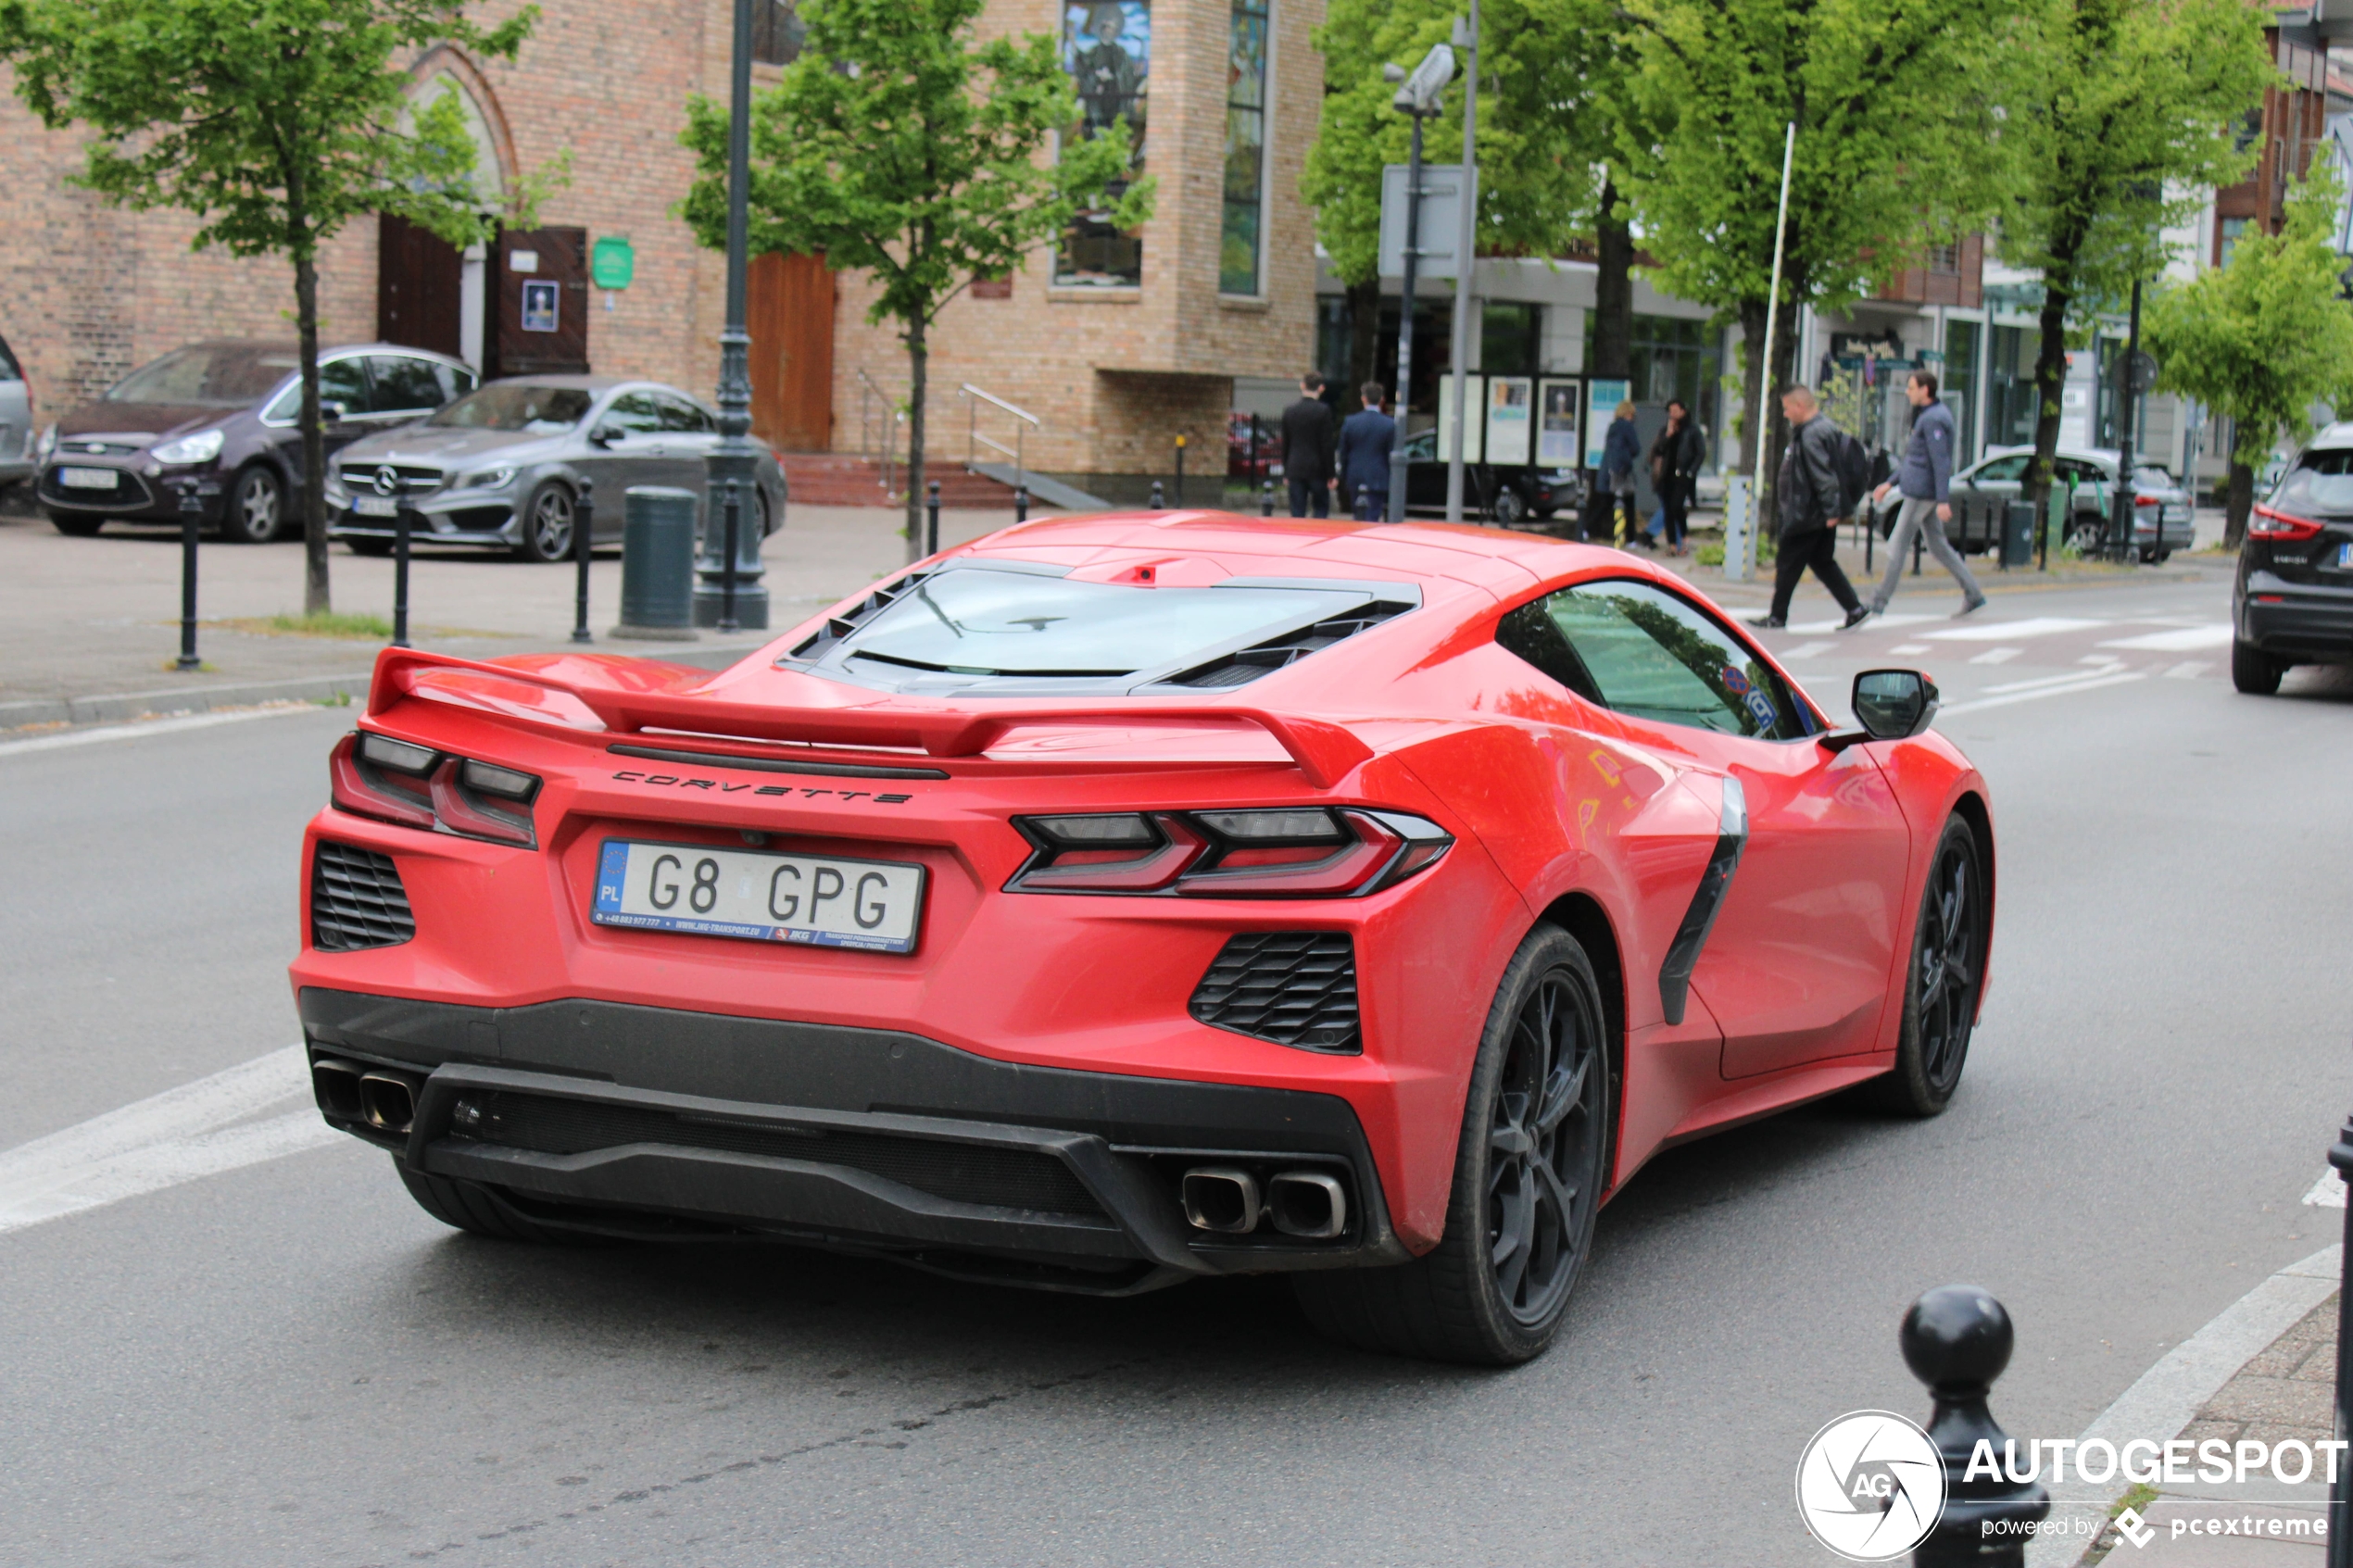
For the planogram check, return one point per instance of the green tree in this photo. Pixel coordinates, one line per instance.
(1544, 78)
(2128, 120)
(898, 146)
(2262, 340)
(1896, 105)
(273, 123)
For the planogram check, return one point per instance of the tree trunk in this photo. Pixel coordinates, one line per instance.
(315, 598)
(1613, 290)
(2238, 498)
(2050, 380)
(918, 368)
(1364, 338)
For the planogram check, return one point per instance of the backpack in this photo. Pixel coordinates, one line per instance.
(1851, 463)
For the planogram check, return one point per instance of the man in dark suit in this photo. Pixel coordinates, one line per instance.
(1366, 441)
(1308, 433)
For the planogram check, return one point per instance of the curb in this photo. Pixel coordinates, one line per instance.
(115, 708)
(2168, 1397)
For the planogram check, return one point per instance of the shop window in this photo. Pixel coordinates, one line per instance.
(1107, 50)
(1240, 243)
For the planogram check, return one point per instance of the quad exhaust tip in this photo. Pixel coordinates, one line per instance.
(336, 1085)
(387, 1101)
(1226, 1200)
(349, 1092)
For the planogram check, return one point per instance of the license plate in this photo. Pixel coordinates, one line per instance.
(820, 900)
(2344, 557)
(375, 506)
(86, 479)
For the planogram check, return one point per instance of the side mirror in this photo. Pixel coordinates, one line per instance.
(1894, 704)
(603, 436)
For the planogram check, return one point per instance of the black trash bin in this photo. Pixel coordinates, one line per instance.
(658, 565)
(2018, 534)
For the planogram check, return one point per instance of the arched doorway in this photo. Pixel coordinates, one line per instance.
(428, 293)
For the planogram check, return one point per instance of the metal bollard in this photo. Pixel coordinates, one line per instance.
(1919, 543)
(1870, 538)
(735, 504)
(584, 522)
(190, 521)
(2340, 1545)
(400, 568)
(1180, 470)
(1266, 499)
(931, 527)
(658, 565)
(1158, 505)
(1957, 1339)
(1021, 503)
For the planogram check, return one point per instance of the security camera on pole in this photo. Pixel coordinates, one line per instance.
(1418, 98)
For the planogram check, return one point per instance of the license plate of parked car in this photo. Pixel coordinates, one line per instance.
(86, 479)
(820, 900)
(375, 506)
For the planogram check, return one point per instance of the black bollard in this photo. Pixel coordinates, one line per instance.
(1919, 543)
(1021, 503)
(1957, 1339)
(1870, 537)
(1266, 499)
(190, 521)
(2340, 1537)
(584, 525)
(734, 540)
(400, 570)
(1158, 505)
(931, 528)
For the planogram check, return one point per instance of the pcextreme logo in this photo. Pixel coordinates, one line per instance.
(1871, 1486)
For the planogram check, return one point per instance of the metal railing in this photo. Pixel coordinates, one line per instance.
(974, 440)
(876, 406)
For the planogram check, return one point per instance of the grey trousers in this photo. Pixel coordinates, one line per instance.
(1919, 516)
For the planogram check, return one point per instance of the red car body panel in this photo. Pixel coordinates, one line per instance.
(1554, 803)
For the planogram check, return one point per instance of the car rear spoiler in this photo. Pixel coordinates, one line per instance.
(1325, 751)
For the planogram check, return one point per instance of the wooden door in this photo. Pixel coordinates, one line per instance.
(419, 279)
(540, 303)
(789, 310)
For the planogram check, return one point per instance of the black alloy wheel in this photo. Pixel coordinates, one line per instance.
(546, 524)
(1529, 1174)
(1945, 978)
(1509, 510)
(257, 505)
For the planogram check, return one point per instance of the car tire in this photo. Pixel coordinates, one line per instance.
(1508, 510)
(369, 547)
(75, 526)
(1944, 980)
(1539, 1107)
(2085, 537)
(2254, 672)
(548, 519)
(469, 1206)
(255, 506)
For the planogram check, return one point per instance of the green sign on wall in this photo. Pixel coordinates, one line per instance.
(611, 263)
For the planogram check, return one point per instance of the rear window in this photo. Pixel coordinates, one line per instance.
(10, 368)
(226, 375)
(2322, 483)
(2150, 477)
(521, 406)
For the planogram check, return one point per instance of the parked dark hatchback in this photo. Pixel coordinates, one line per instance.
(2293, 602)
(226, 413)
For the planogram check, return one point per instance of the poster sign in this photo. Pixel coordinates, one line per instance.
(1510, 405)
(540, 302)
(1557, 426)
(1600, 406)
(1472, 396)
(612, 264)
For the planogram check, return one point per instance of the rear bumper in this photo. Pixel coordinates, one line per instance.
(644, 1120)
(2305, 622)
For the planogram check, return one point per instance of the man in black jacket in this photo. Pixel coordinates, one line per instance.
(1309, 433)
(1807, 508)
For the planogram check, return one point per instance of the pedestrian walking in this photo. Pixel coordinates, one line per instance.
(1309, 435)
(1926, 480)
(1676, 457)
(1366, 440)
(1809, 500)
(1621, 449)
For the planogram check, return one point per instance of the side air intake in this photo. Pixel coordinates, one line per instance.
(356, 901)
(1293, 987)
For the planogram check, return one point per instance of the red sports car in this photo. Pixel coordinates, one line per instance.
(1120, 900)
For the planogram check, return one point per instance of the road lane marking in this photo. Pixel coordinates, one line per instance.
(1898, 618)
(198, 1129)
(1910, 648)
(2078, 685)
(1997, 655)
(2328, 1192)
(2189, 669)
(2070, 678)
(1807, 650)
(2186, 639)
(2003, 631)
(152, 727)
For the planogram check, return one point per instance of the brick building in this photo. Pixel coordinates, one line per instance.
(1117, 343)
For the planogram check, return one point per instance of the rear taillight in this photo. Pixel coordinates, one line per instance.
(1289, 853)
(2147, 501)
(2269, 522)
(419, 788)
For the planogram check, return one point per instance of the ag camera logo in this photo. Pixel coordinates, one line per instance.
(1871, 1486)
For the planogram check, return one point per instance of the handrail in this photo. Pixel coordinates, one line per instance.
(868, 447)
(968, 390)
(1011, 452)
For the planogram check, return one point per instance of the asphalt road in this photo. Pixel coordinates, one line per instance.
(288, 1363)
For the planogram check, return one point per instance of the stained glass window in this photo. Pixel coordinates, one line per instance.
(1107, 50)
(1239, 251)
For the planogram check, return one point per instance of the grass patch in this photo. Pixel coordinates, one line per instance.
(1708, 554)
(331, 623)
(2137, 1499)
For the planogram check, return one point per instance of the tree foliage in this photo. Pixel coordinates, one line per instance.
(2129, 120)
(1897, 109)
(2262, 340)
(273, 123)
(897, 146)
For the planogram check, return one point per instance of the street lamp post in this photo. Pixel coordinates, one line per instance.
(2127, 439)
(1417, 98)
(732, 465)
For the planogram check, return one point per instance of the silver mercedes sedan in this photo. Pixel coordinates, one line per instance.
(503, 466)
